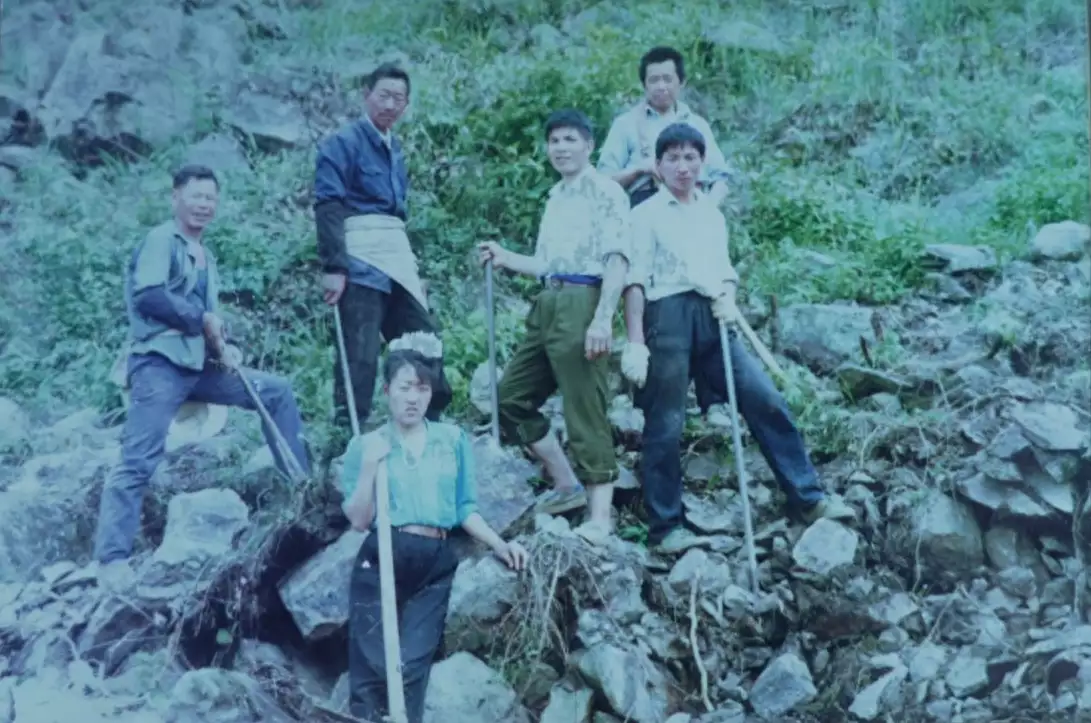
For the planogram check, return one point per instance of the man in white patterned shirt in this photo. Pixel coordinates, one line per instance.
(628, 153)
(582, 257)
(681, 285)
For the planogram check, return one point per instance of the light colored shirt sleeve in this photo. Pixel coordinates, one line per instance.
(640, 263)
(616, 154)
(611, 227)
(466, 484)
(539, 247)
(212, 301)
(730, 274)
(152, 267)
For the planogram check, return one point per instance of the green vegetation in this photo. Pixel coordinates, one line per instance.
(866, 129)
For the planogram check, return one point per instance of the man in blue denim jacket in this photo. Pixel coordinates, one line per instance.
(369, 271)
(176, 340)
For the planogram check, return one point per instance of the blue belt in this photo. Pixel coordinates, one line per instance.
(577, 279)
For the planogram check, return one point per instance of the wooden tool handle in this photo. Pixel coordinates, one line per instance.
(763, 352)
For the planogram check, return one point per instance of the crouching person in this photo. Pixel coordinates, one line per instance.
(681, 287)
(429, 469)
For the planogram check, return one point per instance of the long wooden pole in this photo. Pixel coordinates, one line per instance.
(395, 689)
(490, 322)
(740, 466)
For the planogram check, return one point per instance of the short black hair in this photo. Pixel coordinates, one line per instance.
(677, 135)
(194, 172)
(387, 70)
(661, 54)
(422, 365)
(569, 118)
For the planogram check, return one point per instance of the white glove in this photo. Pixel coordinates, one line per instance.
(634, 363)
(725, 310)
(232, 356)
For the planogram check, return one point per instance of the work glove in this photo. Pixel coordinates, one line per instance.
(725, 310)
(634, 363)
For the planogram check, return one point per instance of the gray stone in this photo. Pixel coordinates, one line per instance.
(925, 661)
(967, 675)
(201, 531)
(567, 705)
(825, 546)
(1002, 497)
(221, 153)
(824, 336)
(1064, 241)
(628, 681)
(950, 537)
(46, 513)
(1053, 427)
(783, 686)
(730, 712)
(462, 689)
(483, 592)
(274, 124)
(958, 259)
(881, 696)
(317, 594)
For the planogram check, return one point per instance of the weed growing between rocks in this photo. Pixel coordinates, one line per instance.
(563, 576)
(898, 156)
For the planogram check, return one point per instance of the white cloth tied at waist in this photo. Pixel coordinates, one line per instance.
(382, 242)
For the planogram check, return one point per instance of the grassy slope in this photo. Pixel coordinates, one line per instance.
(875, 128)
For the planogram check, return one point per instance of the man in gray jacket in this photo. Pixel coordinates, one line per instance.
(176, 354)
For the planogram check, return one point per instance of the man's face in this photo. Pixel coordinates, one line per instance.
(569, 151)
(386, 102)
(662, 85)
(680, 167)
(195, 203)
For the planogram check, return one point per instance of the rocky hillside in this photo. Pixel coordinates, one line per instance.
(911, 222)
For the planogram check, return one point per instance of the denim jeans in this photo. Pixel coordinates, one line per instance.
(683, 338)
(157, 389)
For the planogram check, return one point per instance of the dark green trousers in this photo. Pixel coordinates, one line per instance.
(551, 357)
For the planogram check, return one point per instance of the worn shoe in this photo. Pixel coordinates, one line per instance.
(679, 540)
(830, 508)
(116, 576)
(558, 501)
(594, 532)
(718, 415)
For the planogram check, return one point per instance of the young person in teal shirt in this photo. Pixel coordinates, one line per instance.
(430, 472)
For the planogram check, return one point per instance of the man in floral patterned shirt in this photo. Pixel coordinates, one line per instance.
(582, 257)
(680, 288)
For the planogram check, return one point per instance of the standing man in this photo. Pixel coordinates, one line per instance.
(582, 257)
(683, 272)
(369, 269)
(628, 153)
(176, 339)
